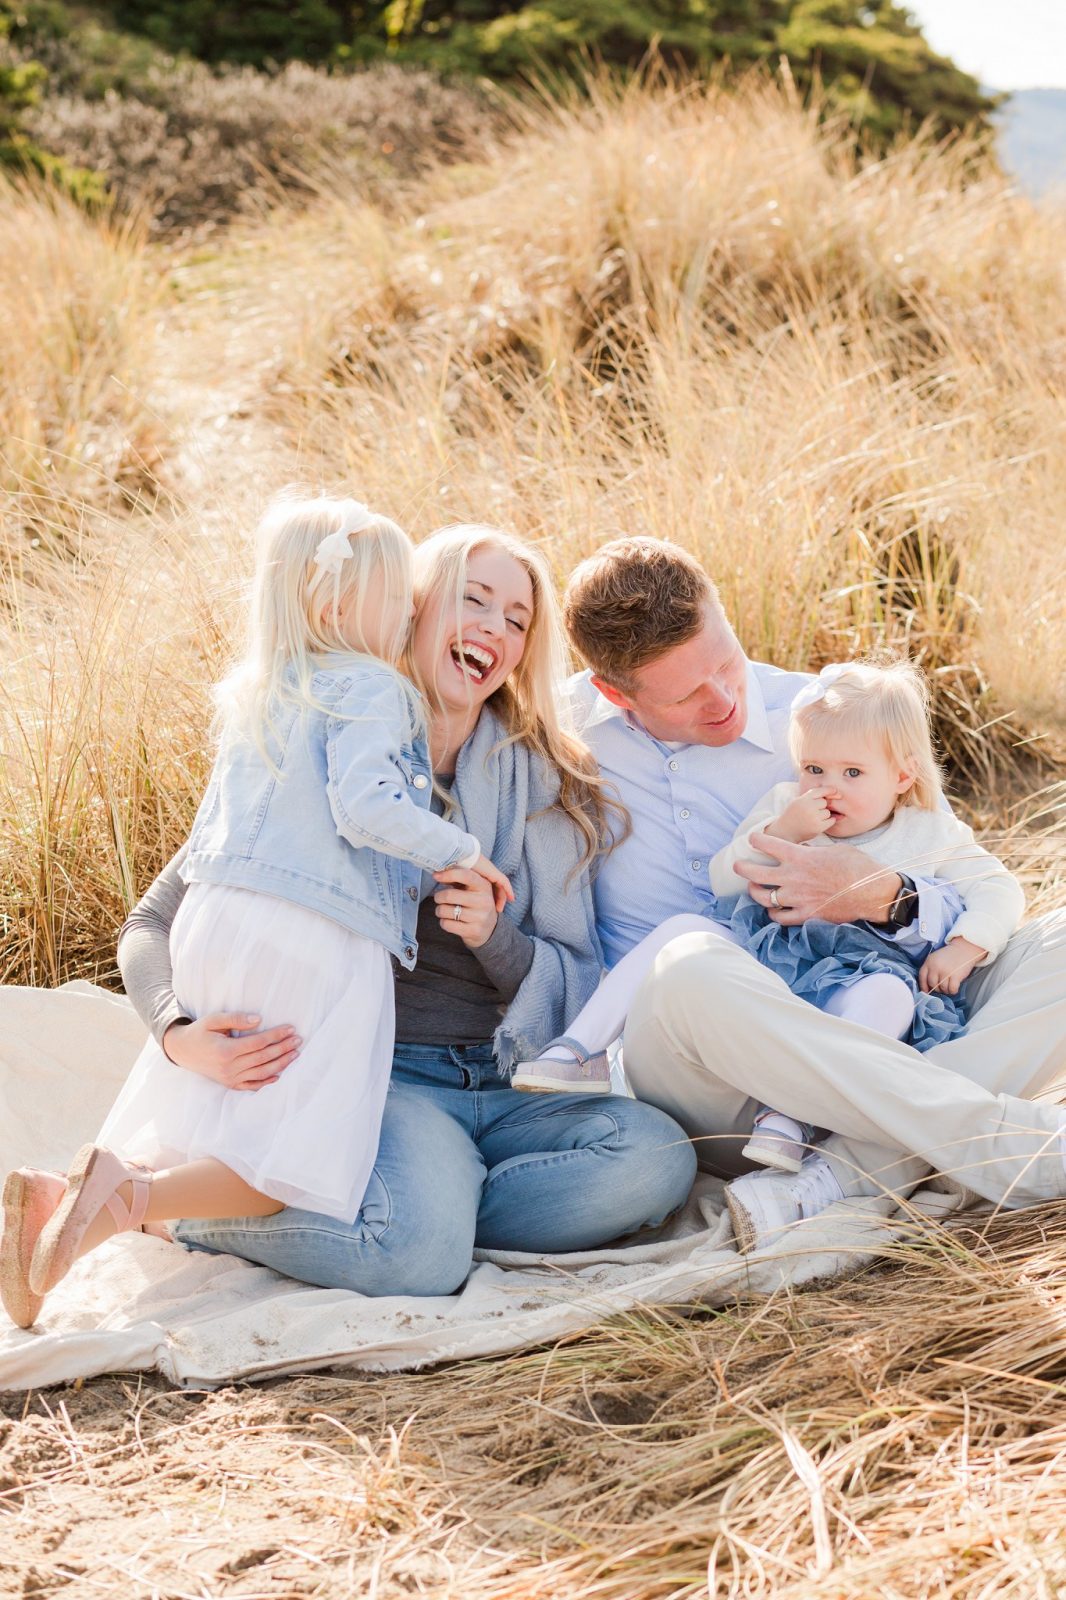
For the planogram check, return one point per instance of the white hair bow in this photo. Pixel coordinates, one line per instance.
(817, 689)
(335, 549)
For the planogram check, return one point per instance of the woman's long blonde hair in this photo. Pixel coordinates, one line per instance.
(885, 702)
(526, 703)
(295, 606)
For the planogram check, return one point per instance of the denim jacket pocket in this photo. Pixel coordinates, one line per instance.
(385, 874)
(258, 817)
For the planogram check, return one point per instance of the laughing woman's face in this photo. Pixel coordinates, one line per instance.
(466, 658)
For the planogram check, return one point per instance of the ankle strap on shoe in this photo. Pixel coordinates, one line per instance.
(129, 1218)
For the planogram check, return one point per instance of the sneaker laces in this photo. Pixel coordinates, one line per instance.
(816, 1186)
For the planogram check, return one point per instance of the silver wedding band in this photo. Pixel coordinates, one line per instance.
(774, 901)
(457, 913)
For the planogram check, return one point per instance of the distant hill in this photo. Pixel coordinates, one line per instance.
(1032, 138)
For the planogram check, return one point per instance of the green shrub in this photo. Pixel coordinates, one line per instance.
(20, 87)
(201, 146)
(22, 80)
(83, 56)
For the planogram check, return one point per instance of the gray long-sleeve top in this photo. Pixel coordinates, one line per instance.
(454, 995)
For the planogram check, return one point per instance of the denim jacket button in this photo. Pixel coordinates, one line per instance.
(420, 780)
(412, 892)
(409, 952)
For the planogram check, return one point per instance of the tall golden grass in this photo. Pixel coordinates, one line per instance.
(76, 301)
(679, 312)
(699, 317)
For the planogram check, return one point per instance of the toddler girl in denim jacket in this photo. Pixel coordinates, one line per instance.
(304, 870)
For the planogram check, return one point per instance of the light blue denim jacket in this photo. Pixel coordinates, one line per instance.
(345, 829)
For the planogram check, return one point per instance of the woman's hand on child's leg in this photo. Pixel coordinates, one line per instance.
(248, 1061)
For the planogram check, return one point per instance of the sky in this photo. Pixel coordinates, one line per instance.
(1005, 44)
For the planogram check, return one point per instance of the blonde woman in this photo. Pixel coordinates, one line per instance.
(463, 1161)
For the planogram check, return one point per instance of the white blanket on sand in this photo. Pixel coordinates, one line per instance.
(202, 1320)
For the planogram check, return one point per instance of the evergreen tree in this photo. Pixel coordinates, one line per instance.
(870, 55)
(875, 62)
(227, 30)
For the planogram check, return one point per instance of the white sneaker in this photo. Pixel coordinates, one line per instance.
(763, 1205)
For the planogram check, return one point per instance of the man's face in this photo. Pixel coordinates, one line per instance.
(696, 692)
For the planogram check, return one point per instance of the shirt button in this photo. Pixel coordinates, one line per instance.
(923, 927)
(421, 781)
(672, 765)
(696, 865)
(685, 812)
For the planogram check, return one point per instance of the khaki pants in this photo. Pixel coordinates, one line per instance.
(711, 1035)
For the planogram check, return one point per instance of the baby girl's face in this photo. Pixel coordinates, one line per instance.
(860, 782)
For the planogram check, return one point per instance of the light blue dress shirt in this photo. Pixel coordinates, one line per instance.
(687, 801)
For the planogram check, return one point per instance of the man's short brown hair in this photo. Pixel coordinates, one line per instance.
(631, 602)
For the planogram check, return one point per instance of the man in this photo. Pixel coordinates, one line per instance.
(691, 733)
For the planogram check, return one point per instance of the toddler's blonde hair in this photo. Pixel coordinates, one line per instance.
(295, 606)
(886, 702)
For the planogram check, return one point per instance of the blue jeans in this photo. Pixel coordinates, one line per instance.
(464, 1160)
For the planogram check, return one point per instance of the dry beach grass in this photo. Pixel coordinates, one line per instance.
(901, 1434)
(676, 313)
(681, 313)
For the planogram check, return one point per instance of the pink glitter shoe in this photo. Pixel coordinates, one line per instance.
(30, 1198)
(92, 1183)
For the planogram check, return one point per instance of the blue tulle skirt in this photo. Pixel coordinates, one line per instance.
(816, 958)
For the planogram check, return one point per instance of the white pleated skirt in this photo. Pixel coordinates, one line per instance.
(310, 1139)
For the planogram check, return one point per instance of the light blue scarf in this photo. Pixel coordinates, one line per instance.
(503, 795)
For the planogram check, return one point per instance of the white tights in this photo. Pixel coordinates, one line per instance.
(601, 1020)
(880, 1001)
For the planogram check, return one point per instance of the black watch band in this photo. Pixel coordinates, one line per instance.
(904, 908)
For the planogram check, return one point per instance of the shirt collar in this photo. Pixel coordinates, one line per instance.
(757, 727)
(589, 705)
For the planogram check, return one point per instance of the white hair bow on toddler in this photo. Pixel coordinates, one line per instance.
(335, 549)
(817, 689)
